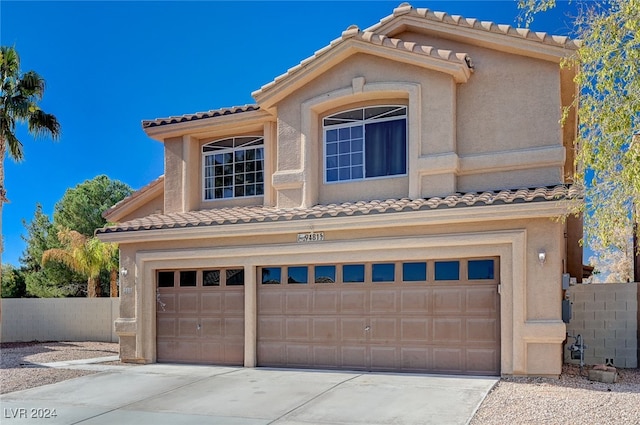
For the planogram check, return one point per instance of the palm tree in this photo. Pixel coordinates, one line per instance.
(19, 97)
(88, 256)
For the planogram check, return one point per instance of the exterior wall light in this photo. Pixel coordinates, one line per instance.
(124, 272)
(542, 256)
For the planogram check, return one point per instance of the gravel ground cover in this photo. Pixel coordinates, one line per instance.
(17, 371)
(572, 399)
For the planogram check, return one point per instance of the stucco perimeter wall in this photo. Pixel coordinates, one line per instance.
(59, 319)
(606, 315)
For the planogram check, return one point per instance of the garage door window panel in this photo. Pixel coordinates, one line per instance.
(325, 274)
(166, 279)
(298, 275)
(447, 270)
(414, 272)
(188, 278)
(353, 273)
(271, 275)
(385, 272)
(480, 269)
(234, 277)
(211, 278)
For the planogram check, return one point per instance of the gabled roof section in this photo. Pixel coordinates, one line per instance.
(502, 37)
(263, 214)
(353, 41)
(135, 200)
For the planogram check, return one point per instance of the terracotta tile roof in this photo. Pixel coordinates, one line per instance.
(135, 195)
(353, 32)
(405, 9)
(255, 214)
(199, 115)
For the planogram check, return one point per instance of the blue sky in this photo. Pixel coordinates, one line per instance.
(109, 65)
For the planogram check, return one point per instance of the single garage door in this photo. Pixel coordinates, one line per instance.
(200, 316)
(423, 316)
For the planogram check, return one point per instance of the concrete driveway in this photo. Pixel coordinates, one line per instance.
(161, 394)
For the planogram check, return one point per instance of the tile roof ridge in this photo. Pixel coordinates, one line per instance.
(405, 9)
(174, 119)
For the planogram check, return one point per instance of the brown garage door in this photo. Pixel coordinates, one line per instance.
(200, 316)
(431, 316)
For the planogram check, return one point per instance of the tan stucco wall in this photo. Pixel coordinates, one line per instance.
(532, 330)
(154, 205)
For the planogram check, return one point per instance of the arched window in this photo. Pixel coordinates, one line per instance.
(365, 143)
(233, 168)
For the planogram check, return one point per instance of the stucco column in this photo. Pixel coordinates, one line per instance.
(250, 316)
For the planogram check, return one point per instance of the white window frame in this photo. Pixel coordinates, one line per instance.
(238, 143)
(363, 122)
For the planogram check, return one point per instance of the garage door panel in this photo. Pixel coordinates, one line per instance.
(299, 354)
(187, 328)
(482, 360)
(271, 353)
(324, 329)
(167, 303)
(233, 353)
(234, 327)
(482, 330)
(416, 300)
(415, 358)
(325, 302)
(447, 330)
(482, 300)
(416, 330)
(211, 302)
(188, 303)
(212, 352)
(448, 360)
(384, 358)
(297, 301)
(384, 330)
(234, 301)
(211, 328)
(271, 329)
(353, 329)
(166, 327)
(447, 301)
(384, 301)
(353, 301)
(325, 356)
(354, 357)
(271, 302)
(297, 328)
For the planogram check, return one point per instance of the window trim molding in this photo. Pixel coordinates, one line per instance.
(203, 156)
(313, 108)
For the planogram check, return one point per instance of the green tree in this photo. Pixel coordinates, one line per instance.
(88, 256)
(81, 207)
(19, 97)
(607, 146)
(51, 280)
(13, 283)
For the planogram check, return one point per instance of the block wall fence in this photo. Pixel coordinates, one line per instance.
(59, 319)
(606, 315)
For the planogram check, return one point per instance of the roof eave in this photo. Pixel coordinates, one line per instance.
(202, 126)
(484, 213)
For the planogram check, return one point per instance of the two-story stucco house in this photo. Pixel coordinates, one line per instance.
(388, 204)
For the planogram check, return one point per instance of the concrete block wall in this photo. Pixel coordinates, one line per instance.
(59, 319)
(606, 315)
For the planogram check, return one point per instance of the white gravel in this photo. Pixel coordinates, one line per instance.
(18, 371)
(572, 399)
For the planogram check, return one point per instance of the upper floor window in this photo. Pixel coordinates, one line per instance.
(233, 167)
(365, 143)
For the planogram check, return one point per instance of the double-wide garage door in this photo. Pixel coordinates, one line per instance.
(431, 316)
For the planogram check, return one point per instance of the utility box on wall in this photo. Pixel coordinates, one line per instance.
(566, 311)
